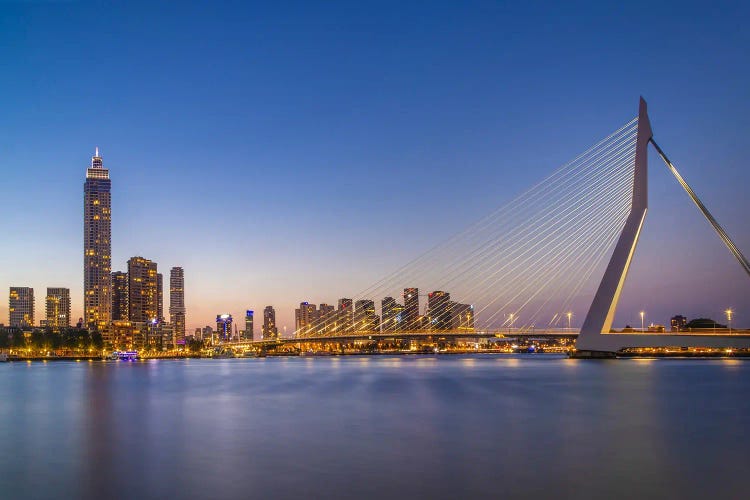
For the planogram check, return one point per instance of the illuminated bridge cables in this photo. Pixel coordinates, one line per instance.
(556, 180)
(540, 272)
(450, 261)
(524, 228)
(542, 227)
(710, 218)
(570, 263)
(530, 255)
(575, 212)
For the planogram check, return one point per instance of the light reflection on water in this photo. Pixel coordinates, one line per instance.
(373, 427)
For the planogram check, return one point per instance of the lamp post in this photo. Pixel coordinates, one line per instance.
(643, 314)
(729, 319)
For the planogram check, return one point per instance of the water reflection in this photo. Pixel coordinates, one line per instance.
(373, 427)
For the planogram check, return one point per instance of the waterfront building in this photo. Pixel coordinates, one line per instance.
(391, 313)
(438, 310)
(21, 307)
(305, 318)
(462, 316)
(207, 334)
(224, 327)
(678, 323)
(270, 331)
(142, 290)
(326, 318)
(120, 296)
(249, 327)
(411, 309)
(160, 297)
(344, 316)
(97, 245)
(120, 336)
(177, 309)
(57, 308)
(365, 319)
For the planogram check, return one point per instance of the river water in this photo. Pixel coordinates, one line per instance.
(526, 426)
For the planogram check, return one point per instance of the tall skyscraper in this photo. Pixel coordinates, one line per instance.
(365, 319)
(411, 308)
(177, 309)
(21, 306)
(462, 316)
(249, 326)
(224, 327)
(58, 308)
(345, 316)
(160, 297)
(439, 313)
(391, 312)
(97, 245)
(305, 318)
(269, 324)
(142, 290)
(120, 296)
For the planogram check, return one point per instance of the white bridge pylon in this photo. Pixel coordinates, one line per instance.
(595, 338)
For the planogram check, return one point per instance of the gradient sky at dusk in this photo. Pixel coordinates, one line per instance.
(290, 151)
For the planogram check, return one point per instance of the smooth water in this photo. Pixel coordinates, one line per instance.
(376, 427)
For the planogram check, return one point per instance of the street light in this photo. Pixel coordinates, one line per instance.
(643, 313)
(729, 319)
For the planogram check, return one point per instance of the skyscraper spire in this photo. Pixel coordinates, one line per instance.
(97, 152)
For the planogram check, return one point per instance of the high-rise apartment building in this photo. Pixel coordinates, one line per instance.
(224, 327)
(462, 316)
(120, 296)
(142, 290)
(160, 297)
(439, 312)
(344, 316)
(177, 309)
(21, 307)
(305, 318)
(365, 319)
(249, 325)
(58, 308)
(270, 331)
(391, 312)
(411, 308)
(97, 245)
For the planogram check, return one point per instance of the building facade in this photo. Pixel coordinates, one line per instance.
(120, 296)
(270, 331)
(97, 245)
(305, 318)
(177, 311)
(411, 309)
(142, 290)
(224, 327)
(21, 307)
(57, 308)
(249, 325)
(439, 312)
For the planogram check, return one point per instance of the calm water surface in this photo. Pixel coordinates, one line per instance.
(373, 427)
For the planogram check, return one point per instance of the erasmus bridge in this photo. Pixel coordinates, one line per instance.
(564, 244)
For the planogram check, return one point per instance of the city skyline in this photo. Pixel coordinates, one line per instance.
(180, 185)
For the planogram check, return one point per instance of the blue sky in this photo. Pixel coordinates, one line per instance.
(290, 151)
